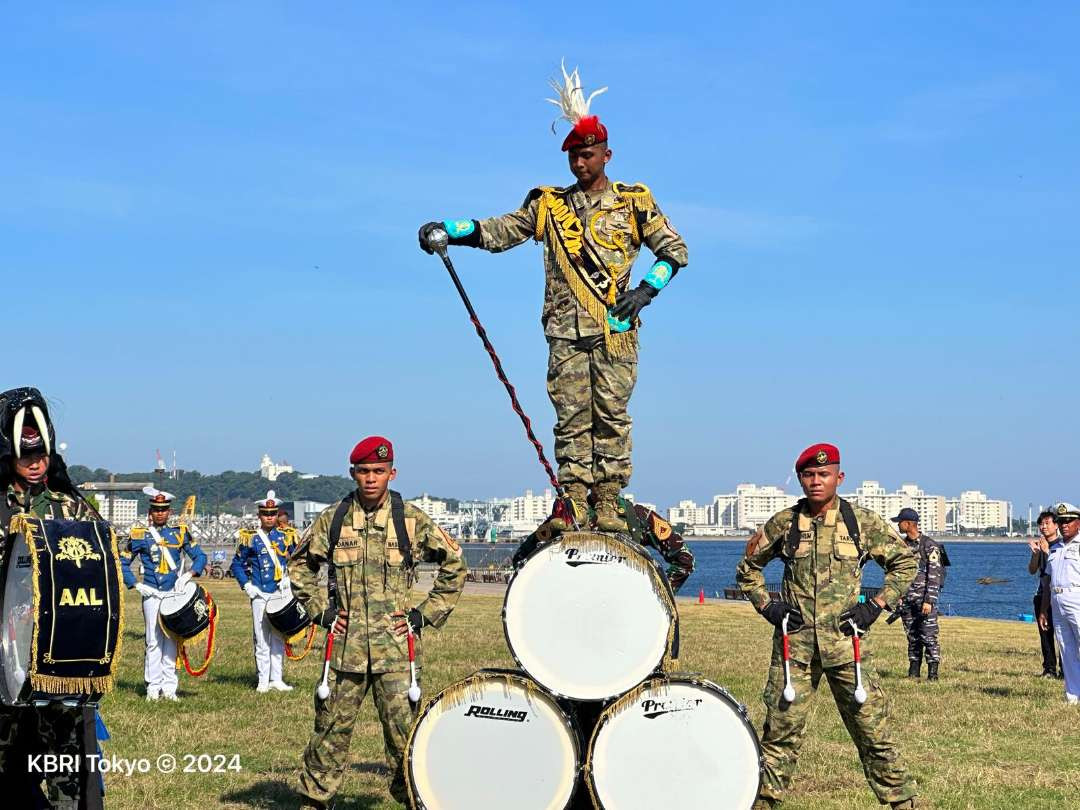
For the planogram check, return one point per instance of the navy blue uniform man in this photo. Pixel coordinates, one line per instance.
(919, 608)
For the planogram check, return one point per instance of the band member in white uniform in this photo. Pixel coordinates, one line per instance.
(160, 549)
(260, 568)
(1063, 596)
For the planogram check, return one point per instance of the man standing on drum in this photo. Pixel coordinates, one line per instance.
(259, 566)
(34, 481)
(161, 549)
(369, 543)
(592, 232)
(824, 541)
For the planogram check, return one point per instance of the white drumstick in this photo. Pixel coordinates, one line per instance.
(860, 693)
(789, 690)
(414, 687)
(323, 692)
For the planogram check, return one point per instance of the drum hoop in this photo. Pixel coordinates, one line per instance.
(508, 675)
(619, 706)
(656, 576)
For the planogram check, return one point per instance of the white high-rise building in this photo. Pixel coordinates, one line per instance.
(931, 508)
(689, 513)
(973, 511)
(755, 505)
(270, 471)
(528, 511)
(121, 511)
(723, 512)
(432, 507)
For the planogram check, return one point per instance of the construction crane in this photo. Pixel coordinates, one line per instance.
(189, 508)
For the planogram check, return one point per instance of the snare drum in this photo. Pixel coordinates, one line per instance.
(588, 616)
(185, 613)
(711, 756)
(286, 615)
(60, 611)
(527, 746)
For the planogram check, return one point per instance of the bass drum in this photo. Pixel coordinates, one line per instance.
(516, 731)
(186, 613)
(589, 616)
(286, 615)
(18, 629)
(710, 753)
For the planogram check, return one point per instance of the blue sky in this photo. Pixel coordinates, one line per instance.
(208, 215)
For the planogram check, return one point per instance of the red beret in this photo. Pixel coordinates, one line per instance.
(817, 455)
(586, 132)
(372, 450)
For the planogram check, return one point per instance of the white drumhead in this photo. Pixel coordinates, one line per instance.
(710, 752)
(176, 600)
(587, 622)
(278, 601)
(18, 620)
(488, 744)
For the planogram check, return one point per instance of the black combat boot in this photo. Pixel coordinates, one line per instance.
(913, 668)
(931, 670)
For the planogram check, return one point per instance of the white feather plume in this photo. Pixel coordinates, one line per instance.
(572, 100)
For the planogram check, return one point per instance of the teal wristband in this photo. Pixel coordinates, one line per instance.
(460, 228)
(659, 275)
(615, 325)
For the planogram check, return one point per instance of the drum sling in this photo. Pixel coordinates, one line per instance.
(79, 617)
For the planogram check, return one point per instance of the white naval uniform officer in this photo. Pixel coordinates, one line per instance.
(260, 568)
(160, 549)
(1063, 566)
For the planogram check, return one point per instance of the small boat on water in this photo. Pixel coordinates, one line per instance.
(991, 581)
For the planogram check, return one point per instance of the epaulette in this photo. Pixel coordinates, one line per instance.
(631, 189)
(244, 536)
(541, 190)
(137, 532)
(289, 532)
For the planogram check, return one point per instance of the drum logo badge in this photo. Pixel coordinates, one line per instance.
(76, 549)
(493, 713)
(652, 709)
(575, 557)
(200, 608)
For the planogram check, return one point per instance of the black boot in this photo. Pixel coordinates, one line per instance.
(914, 665)
(931, 670)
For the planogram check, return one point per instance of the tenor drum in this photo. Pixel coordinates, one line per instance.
(185, 613)
(525, 744)
(286, 615)
(588, 616)
(61, 644)
(711, 756)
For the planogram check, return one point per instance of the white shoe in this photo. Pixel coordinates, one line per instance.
(1072, 700)
(280, 686)
(153, 694)
(262, 687)
(170, 696)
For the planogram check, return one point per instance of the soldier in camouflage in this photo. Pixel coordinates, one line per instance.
(371, 568)
(34, 480)
(591, 232)
(646, 528)
(918, 610)
(824, 541)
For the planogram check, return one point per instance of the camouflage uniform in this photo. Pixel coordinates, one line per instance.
(646, 528)
(822, 580)
(922, 631)
(588, 383)
(55, 728)
(372, 583)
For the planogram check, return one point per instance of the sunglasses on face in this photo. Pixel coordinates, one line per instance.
(1064, 521)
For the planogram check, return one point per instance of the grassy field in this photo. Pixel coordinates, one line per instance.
(989, 735)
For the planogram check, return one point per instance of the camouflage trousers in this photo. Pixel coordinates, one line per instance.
(327, 754)
(868, 725)
(590, 391)
(922, 632)
(25, 732)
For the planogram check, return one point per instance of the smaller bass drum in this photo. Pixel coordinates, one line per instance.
(524, 742)
(710, 755)
(185, 613)
(286, 615)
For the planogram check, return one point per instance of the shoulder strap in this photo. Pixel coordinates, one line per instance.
(331, 543)
(852, 524)
(791, 542)
(404, 542)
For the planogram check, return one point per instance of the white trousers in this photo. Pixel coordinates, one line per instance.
(1066, 609)
(159, 666)
(269, 645)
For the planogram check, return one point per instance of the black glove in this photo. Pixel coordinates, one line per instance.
(777, 609)
(425, 235)
(327, 618)
(630, 303)
(416, 621)
(864, 614)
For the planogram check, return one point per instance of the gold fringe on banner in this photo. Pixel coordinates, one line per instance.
(56, 685)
